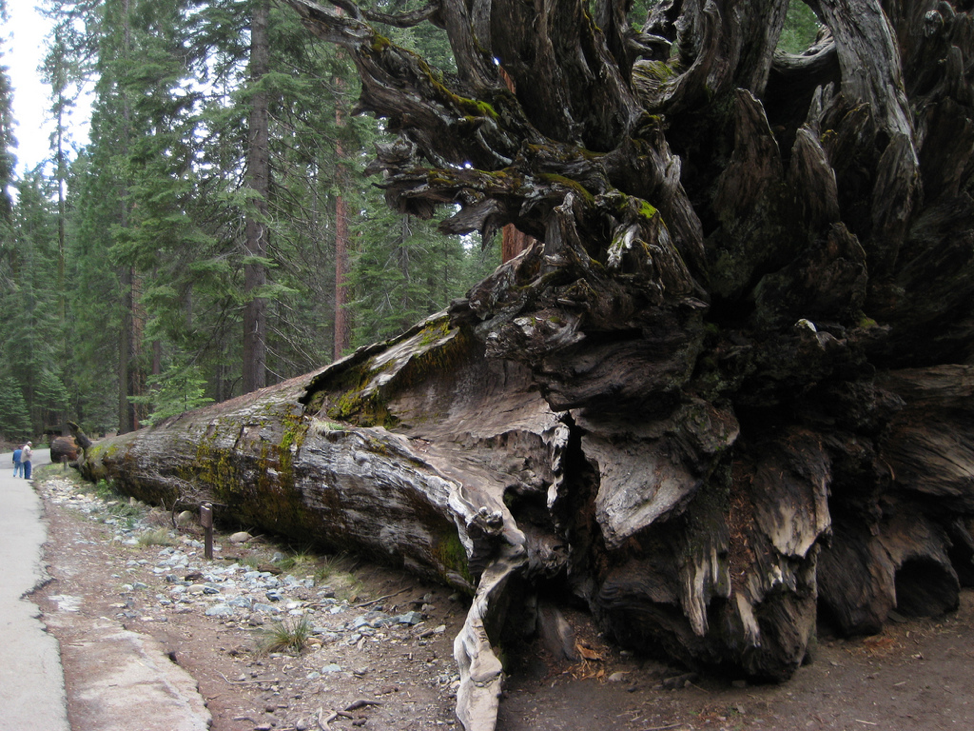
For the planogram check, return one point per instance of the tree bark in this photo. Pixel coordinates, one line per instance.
(343, 330)
(131, 375)
(254, 371)
(728, 385)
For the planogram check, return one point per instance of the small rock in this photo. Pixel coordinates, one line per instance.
(219, 610)
(331, 668)
(410, 618)
(240, 537)
(617, 677)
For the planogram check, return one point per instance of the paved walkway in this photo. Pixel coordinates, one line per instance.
(31, 679)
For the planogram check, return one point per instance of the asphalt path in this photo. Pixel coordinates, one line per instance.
(31, 678)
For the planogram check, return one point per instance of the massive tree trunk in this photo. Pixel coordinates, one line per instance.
(729, 383)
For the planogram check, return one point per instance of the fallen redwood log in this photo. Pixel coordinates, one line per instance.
(682, 538)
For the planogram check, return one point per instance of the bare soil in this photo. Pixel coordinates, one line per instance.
(916, 675)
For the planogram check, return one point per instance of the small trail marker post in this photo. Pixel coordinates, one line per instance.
(206, 520)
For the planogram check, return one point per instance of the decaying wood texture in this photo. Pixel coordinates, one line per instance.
(728, 384)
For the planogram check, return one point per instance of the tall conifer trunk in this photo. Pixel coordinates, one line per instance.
(131, 381)
(343, 336)
(343, 329)
(258, 179)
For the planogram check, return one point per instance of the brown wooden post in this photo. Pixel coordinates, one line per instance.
(206, 520)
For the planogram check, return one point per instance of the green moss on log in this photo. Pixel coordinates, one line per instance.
(356, 395)
(448, 552)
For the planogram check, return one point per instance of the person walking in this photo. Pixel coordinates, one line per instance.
(25, 454)
(18, 465)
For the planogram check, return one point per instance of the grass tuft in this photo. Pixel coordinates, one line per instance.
(338, 571)
(157, 537)
(287, 636)
(297, 561)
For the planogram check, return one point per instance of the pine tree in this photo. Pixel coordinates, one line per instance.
(92, 300)
(29, 301)
(52, 399)
(258, 182)
(13, 411)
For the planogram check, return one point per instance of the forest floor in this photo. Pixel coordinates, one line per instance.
(376, 644)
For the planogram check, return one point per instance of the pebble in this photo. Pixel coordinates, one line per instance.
(410, 618)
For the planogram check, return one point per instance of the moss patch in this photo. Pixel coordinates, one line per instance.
(449, 552)
(360, 394)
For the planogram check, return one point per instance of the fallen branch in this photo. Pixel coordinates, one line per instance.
(376, 601)
(243, 682)
(361, 703)
(323, 724)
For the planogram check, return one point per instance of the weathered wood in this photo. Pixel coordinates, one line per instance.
(727, 384)
(63, 449)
